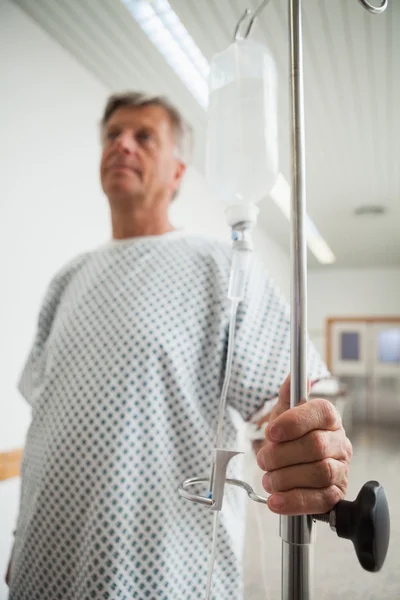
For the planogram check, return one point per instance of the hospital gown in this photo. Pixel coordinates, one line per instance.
(124, 379)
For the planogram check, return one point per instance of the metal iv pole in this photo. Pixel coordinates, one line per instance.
(297, 532)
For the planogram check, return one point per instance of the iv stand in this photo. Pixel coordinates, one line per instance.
(297, 532)
(366, 520)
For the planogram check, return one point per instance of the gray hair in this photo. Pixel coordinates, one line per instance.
(182, 130)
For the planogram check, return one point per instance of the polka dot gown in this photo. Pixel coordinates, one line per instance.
(124, 379)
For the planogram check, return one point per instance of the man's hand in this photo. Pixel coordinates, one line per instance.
(306, 456)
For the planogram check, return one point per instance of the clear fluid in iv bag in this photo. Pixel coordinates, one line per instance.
(242, 147)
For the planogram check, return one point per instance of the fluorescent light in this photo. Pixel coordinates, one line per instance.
(167, 32)
(280, 193)
(321, 250)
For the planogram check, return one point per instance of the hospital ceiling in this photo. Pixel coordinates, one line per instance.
(352, 97)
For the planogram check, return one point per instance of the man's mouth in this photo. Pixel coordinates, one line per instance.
(127, 168)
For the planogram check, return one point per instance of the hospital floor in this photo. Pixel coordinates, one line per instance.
(337, 573)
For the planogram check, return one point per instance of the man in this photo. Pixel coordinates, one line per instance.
(124, 379)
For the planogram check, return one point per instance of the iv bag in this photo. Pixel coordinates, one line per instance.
(242, 128)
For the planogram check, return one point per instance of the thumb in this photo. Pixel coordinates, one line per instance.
(283, 403)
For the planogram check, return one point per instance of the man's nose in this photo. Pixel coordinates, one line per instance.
(126, 143)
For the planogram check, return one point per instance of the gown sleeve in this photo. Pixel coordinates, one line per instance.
(261, 360)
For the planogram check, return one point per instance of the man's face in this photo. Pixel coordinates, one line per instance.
(138, 163)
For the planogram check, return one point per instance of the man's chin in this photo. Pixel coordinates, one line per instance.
(119, 195)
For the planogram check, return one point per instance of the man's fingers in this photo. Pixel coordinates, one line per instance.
(320, 474)
(284, 394)
(306, 456)
(298, 421)
(305, 501)
(313, 446)
(284, 397)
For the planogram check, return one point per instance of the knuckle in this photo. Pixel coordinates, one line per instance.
(346, 449)
(345, 479)
(349, 449)
(329, 413)
(328, 471)
(320, 443)
(333, 494)
(302, 501)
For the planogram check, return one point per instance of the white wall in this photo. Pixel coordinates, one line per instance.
(52, 206)
(350, 293)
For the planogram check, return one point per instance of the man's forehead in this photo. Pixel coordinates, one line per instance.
(131, 116)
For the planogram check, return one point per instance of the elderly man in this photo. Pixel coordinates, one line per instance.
(124, 379)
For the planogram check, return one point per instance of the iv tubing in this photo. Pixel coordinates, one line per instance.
(228, 371)
(237, 286)
(218, 442)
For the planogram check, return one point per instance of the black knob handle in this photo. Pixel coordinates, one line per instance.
(366, 522)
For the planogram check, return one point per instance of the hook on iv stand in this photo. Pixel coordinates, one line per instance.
(365, 521)
(253, 14)
(375, 10)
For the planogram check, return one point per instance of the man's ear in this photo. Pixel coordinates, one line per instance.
(180, 170)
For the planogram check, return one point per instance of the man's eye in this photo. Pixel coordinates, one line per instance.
(112, 135)
(144, 136)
